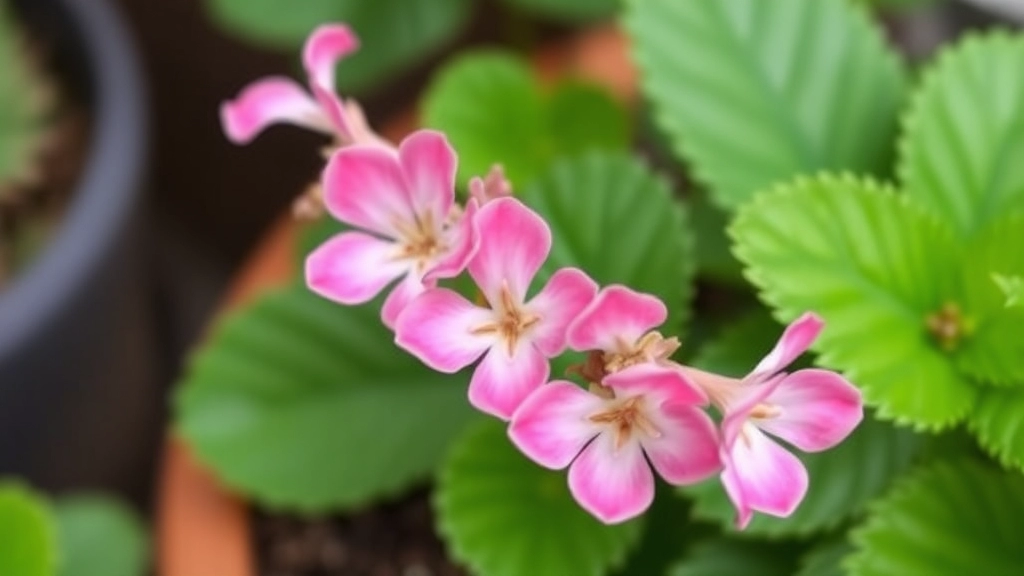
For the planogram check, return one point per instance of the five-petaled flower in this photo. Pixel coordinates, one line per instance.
(811, 409)
(516, 337)
(277, 99)
(405, 202)
(644, 410)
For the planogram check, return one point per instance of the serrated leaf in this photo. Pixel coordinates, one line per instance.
(306, 404)
(614, 219)
(825, 559)
(755, 92)
(503, 515)
(493, 111)
(998, 423)
(725, 557)
(964, 134)
(394, 34)
(100, 536)
(874, 268)
(842, 482)
(950, 518)
(28, 544)
(569, 10)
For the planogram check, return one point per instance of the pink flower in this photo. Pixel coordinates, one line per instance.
(403, 206)
(811, 409)
(617, 328)
(515, 337)
(652, 412)
(277, 99)
(491, 187)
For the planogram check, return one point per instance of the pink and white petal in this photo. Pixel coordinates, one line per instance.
(269, 101)
(437, 327)
(364, 187)
(612, 484)
(401, 295)
(551, 426)
(763, 476)
(336, 113)
(463, 239)
(795, 340)
(429, 163)
(657, 383)
(687, 451)
(502, 381)
(819, 409)
(514, 242)
(326, 45)
(561, 300)
(616, 313)
(352, 267)
(741, 402)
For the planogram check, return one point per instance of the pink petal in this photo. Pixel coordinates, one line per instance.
(270, 101)
(325, 46)
(613, 485)
(437, 328)
(819, 409)
(561, 300)
(428, 162)
(463, 237)
(551, 426)
(687, 450)
(797, 338)
(363, 186)
(352, 267)
(501, 381)
(744, 398)
(338, 117)
(616, 313)
(660, 384)
(401, 295)
(514, 242)
(761, 475)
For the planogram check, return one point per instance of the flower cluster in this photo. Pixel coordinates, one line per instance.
(640, 410)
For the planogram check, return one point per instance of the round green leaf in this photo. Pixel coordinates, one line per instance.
(825, 559)
(27, 536)
(611, 217)
(964, 134)
(951, 518)
(100, 536)
(306, 404)
(570, 10)
(998, 422)
(874, 268)
(724, 557)
(503, 515)
(842, 482)
(492, 109)
(755, 92)
(393, 33)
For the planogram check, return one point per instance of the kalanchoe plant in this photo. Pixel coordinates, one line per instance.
(554, 295)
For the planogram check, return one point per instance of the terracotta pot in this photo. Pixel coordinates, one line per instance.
(203, 530)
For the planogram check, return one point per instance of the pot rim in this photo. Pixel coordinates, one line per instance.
(108, 187)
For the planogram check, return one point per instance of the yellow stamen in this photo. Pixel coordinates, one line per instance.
(512, 322)
(626, 417)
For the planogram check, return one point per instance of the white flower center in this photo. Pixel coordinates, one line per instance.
(511, 321)
(626, 417)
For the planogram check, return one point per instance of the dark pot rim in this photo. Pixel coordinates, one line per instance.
(109, 185)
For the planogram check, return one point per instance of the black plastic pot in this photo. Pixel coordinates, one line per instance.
(79, 402)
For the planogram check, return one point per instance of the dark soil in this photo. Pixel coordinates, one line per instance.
(396, 539)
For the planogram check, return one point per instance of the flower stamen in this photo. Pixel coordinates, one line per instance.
(624, 418)
(512, 322)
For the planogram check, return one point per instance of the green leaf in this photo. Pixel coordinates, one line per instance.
(755, 92)
(725, 557)
(740, 345)
(100, 536)
(393, 34)
(825, 559)
(493, 110)
(715, 260)
(503, 515)
(843, 481)
(874, 268)
(306, 404)
(1012, 287)
(964, 134)
(614, 219)
(570, 10)
(27, 536)
(24, 105)
(950, 518)
(998, 422)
